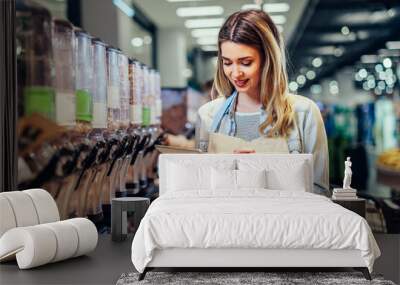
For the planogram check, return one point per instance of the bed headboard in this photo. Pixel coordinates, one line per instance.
(284, 161)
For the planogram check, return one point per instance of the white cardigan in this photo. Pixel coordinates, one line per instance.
(307, 136)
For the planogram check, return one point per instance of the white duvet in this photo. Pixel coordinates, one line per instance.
(252, 218)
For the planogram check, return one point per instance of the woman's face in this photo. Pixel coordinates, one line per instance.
(242, 65)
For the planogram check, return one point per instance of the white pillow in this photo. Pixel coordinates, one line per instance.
(194, 174)
(281, 174)
(188, 177)
(294, 180)
(227, 179)
(223, 179)
(251, 179)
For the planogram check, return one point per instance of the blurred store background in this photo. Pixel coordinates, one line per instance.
(110, 79)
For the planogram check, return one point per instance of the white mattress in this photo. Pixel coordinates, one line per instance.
(252, 218)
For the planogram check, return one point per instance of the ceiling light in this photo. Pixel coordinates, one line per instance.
(382, 85)
(391, 80)
(293, 86)
(333, 83)
(333, 87)
(393, 45)
(250, 7)
(207, 41)
(176, 1)
(363, 73)
(301, 79)
(389, 72)
(199, 11)
(316, 89)
(310, 74)
(345, 30)
(276, 7)
(357, 77)
(378, 67)
(323, 50)
(317, 62)
(389, 90)
(369, 58)
(137, 42)
(363, 35)
(204, 23)
(387, 62)
(209, 48)
(371, 84)
(391, 12)
(378, 91)
(278, 19)
(197, 33)
(124, 7)
(382, 75)
(388, 52)
(338, 52)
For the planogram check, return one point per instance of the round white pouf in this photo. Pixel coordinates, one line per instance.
(67, 240)
(87, 235)
(23, 208)
(6, 216)
(34, 246)
(45, 205)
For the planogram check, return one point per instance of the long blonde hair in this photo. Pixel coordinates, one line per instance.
(255, 28)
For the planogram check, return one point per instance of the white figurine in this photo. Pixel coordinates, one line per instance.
(347, 174)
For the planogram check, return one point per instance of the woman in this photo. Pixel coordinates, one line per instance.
(252, 85)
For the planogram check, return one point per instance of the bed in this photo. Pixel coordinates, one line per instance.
(253, 210)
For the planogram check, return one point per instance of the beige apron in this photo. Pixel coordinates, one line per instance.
(220, 143)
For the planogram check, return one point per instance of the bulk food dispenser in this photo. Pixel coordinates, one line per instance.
(124, 87)
(84, 72)
(113, 94)
(35, 68)
(63, 51)
(99, 84)
(135, 98)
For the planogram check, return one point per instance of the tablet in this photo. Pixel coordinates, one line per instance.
(175, 149)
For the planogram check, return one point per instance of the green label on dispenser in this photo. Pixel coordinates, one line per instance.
(146, 116)
(83, 106)
(40, 99)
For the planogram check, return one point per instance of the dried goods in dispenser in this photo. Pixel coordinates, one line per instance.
(84, 77)
(158, 97)
(113, 92)
(123, 64)
(152, 96)
(99, 84)
(35, 67)
(146, 110)
(135, 98)
(63, 51)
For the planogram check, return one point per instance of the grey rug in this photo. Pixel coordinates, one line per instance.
(230, 278)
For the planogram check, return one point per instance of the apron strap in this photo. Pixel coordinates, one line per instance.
(221, 112)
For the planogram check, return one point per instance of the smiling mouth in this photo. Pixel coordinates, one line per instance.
(241, 83)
